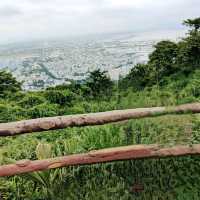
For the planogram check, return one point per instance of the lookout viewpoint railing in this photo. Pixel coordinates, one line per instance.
(98, 156)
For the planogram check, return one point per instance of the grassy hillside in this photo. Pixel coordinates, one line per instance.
(171, 77)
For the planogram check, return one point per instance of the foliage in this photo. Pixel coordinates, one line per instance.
(31, 100)
(171, 77)
(168, 59)
(188, 57)
(194, 23)
(9, 112)
(61, 97)
(137, 77)
(162, 60)
(43, 110)
(99, 84)
(162, 177)
(8, 83)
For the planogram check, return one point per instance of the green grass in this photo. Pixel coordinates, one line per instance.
(161, 178)
(171, 178)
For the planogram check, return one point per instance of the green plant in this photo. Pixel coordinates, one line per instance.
(8, 83)
(31, 100)
(61, 97)
(43, 110)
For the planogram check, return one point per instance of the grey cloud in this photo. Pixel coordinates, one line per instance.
(10, 11)
(59, 18)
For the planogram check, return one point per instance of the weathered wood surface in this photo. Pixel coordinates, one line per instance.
(99, 156)
(60, 122)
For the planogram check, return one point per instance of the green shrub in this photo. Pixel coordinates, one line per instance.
(16, 97)
(99, 85)
(43, 110)
(8, 83)
(10, 112)
(61, 97)
(31, 100)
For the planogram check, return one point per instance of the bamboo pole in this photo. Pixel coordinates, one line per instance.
(99, 156)
(60, 122)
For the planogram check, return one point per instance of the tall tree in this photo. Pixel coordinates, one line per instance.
(8, 83)
(137, 78)
(189, 48)
(99, 84)
(162, 60)
(193, 23)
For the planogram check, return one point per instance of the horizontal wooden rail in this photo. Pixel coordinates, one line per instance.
(60, 122)
(99, 156)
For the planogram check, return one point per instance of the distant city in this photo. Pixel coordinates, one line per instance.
(42, 64)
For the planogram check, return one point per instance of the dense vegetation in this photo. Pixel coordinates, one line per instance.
(171, 77)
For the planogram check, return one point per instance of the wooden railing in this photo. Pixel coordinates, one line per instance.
(105, 155)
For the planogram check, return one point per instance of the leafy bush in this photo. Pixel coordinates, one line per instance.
(43, 110)
(61, 97)
(31, 100)
(99, 85)
(8, 83)
(9, 112)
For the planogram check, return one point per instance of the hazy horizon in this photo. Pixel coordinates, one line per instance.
(145, 35)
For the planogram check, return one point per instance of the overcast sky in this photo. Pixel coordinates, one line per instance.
(38, 19)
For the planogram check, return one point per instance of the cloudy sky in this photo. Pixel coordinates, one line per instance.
(38, 19)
